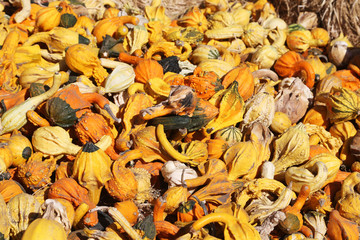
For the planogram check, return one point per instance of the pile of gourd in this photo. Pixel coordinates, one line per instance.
(226, 123)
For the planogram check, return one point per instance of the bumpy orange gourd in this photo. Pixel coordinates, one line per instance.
(205, 83)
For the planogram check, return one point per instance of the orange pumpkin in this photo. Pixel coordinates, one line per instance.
(244, 77)
(292, 64)
(317, 116)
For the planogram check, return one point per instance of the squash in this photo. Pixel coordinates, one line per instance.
(231, 135)
(50, 17)
(123, 186)
(83, 59)
(42, 228)
(108, 26)
(280, 123)
(20, 147)
(69, 190)
(9, 189)
(148, 69)
(92, 169)
(245, 79)
(129, 209)
(22, 210)
(340, 228)
(196, 18)
(35, 173)
(231, 110)
(205, 83)
(291, 64)
(294, 219)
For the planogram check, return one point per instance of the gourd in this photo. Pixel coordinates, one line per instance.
(109, 26)
(81, 58)
(233, 226)
(15, 117)
(50, 17)
(9, 189)
(35, 173)
(205, 83)
(242, 75)
(231, 110)
(42, 228)
(294, 219)
(231, 135)
(341, 228)
(22, 210)
(148, 69)
(4, 222)
(57, 40)
(194, 18)
(92, 169)
(291, 63)
(123, 186)
(280, 122)
(348, 204)
(19, 146)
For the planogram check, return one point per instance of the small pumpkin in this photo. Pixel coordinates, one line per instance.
(341, 228)
(20, 147)
(230, 134)
(129, 209)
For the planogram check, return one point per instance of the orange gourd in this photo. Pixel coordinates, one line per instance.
(109, 26)
(205, 83)
(129, 209)
(294, 219)
(348, 79)
(292, 64)
(243, 76)
(148, 69)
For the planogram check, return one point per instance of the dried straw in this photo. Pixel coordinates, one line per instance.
(336, 16)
